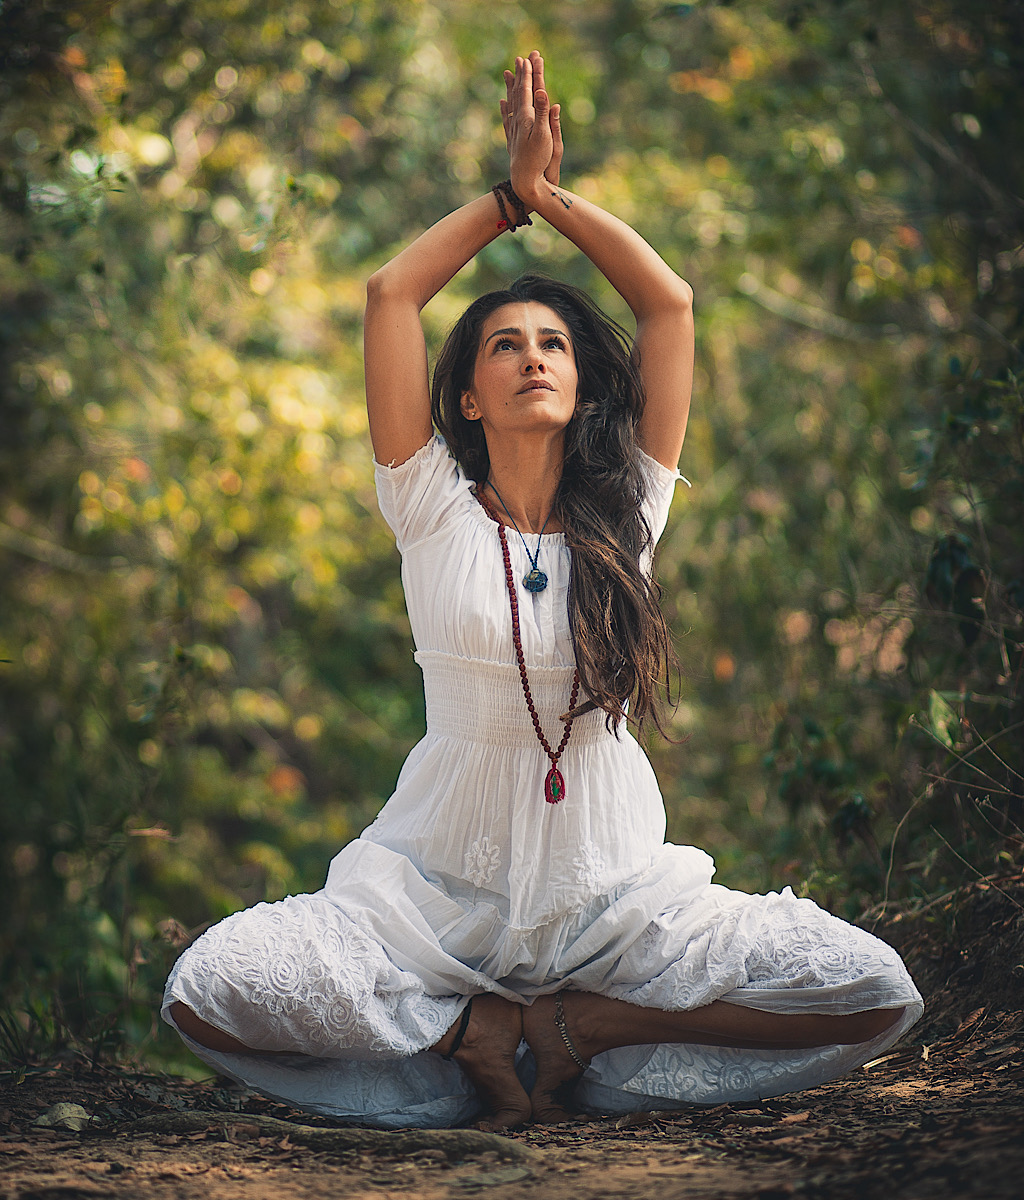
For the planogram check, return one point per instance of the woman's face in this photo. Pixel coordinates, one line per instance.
(525, 378)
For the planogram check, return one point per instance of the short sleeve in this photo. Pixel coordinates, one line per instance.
(661, 487)
(419, 495)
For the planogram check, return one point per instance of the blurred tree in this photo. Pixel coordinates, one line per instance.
(207, 684)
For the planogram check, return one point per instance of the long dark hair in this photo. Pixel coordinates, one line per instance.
(620, 638)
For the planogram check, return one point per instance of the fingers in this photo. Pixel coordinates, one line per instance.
(556, 129)
(506, 105)
(527, 112)
(538, 71)
(524, 88)
(552, 172)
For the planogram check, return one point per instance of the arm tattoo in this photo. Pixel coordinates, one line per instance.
(566, 202)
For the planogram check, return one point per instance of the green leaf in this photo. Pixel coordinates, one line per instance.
(941, 721)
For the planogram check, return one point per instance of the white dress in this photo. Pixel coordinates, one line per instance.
(468, 881)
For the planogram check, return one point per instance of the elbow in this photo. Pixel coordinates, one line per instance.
(388, 286)
(682, 298)
(377, 286)
(672, 301)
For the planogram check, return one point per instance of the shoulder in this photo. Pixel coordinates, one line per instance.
(418, 495)
(659, 489)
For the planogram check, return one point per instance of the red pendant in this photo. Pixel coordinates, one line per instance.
(554, 786)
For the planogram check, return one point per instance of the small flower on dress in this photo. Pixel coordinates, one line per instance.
(835, 963)
(731, 1078)
(589, 865)
(687, 995)
(282, 970)
(331, 1019)
(482, 860)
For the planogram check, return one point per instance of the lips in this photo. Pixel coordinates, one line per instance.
(536, 385)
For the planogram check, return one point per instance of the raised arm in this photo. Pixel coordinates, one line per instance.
(394, 349)
(660, 300)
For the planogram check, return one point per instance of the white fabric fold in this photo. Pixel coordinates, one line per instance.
(468, 882)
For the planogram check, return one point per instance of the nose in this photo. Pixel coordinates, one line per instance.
(533, 361)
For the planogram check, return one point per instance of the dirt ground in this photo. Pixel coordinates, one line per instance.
(940, 1116)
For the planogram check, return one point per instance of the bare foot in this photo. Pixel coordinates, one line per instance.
(488, 1056)
(557, 1070)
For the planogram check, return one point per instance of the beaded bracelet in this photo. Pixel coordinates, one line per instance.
(520, 207)
(503, 191)
(504, 223)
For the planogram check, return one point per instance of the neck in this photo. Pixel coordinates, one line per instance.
(527, 475)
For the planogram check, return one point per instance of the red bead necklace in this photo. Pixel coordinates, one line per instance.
(554, 782)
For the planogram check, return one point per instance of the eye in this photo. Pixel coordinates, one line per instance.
(504, 342)
(557, 342)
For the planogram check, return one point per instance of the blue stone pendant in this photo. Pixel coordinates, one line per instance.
(535, 581)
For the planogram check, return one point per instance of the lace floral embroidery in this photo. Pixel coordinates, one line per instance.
(301, 977)
(482, 860)
(589, 865)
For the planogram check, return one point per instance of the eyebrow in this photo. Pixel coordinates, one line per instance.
(519, 333)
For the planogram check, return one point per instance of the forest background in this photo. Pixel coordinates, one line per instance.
(207, 684)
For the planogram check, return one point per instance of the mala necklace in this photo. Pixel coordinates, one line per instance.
(534, 580)
(554, 782)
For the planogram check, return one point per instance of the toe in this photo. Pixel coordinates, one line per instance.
(504, 1118)
(547, 1112)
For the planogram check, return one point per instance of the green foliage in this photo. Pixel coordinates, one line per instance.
(207, 686)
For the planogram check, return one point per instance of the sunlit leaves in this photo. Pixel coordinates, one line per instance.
(200, 605)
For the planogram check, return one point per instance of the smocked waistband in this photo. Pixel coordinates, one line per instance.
(481, 701)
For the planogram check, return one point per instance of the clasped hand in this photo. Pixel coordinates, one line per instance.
(533, 129)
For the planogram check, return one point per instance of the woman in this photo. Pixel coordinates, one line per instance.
(516, 888)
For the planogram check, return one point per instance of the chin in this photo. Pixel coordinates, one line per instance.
(539, 422)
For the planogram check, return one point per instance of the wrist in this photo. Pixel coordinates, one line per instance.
(529, 192)
(514, 213)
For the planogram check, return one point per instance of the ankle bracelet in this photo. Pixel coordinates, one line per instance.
(560, 1022)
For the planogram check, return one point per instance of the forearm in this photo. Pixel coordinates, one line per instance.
(423, 268)
(634, 268)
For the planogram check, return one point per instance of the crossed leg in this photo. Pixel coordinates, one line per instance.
(486, 1052)
(594, 1024)
(597, 1023)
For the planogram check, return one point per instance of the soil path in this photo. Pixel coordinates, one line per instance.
(938, 1118)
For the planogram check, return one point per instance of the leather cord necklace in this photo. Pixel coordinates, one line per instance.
(534, 580)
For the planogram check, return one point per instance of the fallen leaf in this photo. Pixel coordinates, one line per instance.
(971, 1019)
(241, 1131)
(793, 1137)
(64, 1116)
